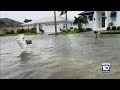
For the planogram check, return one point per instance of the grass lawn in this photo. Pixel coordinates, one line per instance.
(18, 34)
(111, 32)
(69, 32)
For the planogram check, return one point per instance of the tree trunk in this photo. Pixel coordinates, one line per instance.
(79, 27)
(55, 23)
(66, 20)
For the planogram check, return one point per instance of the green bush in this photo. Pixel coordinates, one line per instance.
(118, 28)
(20, 30)
(69, 30)
(26, 30)
(12, 32)
(33, 30)
(110, 32)
(7, 32)
(108, 28)
(88, 29)
(114, 28)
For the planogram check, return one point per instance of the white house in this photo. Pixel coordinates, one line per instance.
(48, 24)
(99, 20)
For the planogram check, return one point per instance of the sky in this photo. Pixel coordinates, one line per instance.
(33, 15)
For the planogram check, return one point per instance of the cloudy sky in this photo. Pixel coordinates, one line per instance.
(22, 15)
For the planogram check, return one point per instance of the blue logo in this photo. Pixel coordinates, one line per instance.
(105, 67)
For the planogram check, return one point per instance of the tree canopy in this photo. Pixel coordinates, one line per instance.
(27, 20)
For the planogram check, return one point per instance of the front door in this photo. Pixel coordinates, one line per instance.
(103, 21)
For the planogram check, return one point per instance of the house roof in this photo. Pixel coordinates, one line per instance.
(47, 20)
(10, 22)
(86, 13)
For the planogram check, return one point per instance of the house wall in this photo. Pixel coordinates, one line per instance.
(118, 18)
(50, 28)
(2, 31)
(96, 23)
(89, 25)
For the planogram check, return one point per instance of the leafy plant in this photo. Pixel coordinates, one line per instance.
(34, 30)
(20, 30)
(114, 28)
(80, 21)
(108, 28)
(118, 28)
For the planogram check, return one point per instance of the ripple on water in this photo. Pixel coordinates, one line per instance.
(64, 56)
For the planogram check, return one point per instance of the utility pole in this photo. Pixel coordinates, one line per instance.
(55, 23)
(66, 20)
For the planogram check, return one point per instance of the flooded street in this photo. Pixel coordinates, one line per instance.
(77, 56)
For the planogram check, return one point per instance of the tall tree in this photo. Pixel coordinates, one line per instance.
(55, 23)
(80, 21)
(64, 12)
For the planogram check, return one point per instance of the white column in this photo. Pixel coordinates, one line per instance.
(107, 20)
(118, 18)
(37, 26)
(95, 18)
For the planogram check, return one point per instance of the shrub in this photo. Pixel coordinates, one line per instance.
(26, 30)
(111, 24)
(12, 32)
(114, 28)
(69, 30)
(108, 28)
(20, 30)
(88, 29)
(33, 30)
(110, 32)
(118, 28)
(7, 32)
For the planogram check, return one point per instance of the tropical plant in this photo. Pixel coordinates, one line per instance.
(114, 28)
(108, 28)
(27, 20)
(80, 21)
(64, 12)
(110, 25)
(118, 28)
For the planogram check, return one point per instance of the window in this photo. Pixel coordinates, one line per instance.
(113, 14)
(103, 14)
(90, 17)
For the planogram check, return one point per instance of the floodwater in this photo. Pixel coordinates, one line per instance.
(77, 56)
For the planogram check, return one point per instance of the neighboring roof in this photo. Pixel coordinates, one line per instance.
(10, 22)
(86, 13)
(47, 20)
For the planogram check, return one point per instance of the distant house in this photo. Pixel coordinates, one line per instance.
(48, 24)
(9, 25)
(99, 20)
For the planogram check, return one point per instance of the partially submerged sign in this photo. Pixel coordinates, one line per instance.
(22, 41)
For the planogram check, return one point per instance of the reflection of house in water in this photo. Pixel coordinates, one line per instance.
(48, 24)
(6, 25)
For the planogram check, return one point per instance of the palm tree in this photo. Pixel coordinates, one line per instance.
(80, 21)
(64, 12)
(55, 23)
